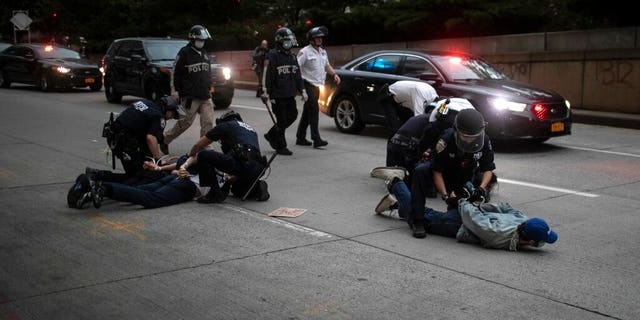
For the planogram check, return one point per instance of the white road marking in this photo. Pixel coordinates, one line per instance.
(263, 108)
(603, 151)
(286, 224)
(539, 186)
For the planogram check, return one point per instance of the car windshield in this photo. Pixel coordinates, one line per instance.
(164, 50)
(51, 52)
(467, 68)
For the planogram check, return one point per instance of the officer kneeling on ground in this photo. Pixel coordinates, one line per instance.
(240, 159)
(134, 135)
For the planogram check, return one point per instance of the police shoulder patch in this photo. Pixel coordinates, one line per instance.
(441, 145)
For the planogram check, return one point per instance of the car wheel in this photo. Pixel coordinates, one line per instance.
(45, 82)
(347, 117)
(220, 104)
(96, 86)
(3, 81)
(110, 92)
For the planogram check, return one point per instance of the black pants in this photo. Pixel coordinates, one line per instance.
(395, 114)
(309, 117)
(245, 171)
(286, 112)
(167, 191)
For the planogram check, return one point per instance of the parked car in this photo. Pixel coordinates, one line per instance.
(47, 66)
(513, 110)
(142, 67)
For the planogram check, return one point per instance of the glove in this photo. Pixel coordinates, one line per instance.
(479, 193)
(305, 97)
(452, 202)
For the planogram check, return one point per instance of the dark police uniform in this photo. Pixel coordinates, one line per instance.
(283, 81)
(134, 123)
(456, 167)
(240, 156)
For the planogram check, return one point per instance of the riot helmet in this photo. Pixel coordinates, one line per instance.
(469, 125)
(317, 32)
(170, 103)
(285, 39)
(199, 32)
(228, 116)
(197, 35)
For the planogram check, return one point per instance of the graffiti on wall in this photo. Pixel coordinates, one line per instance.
(514, 70)
(616, 72)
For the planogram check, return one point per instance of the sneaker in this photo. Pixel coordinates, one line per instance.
(76, 197)
(388, 173)
(319, 143)
(164, 148)
(303, 142)
(213, 196)
(271, 141)
(385, 203)
(97, 193)
(418, 229)
(284, 151)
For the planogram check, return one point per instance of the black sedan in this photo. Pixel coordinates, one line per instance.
(513, 110)
(47, 67)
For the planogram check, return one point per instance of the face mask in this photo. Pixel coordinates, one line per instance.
(199, 44)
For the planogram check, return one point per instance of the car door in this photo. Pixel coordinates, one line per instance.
(369, 78)
(16, 64)
(138, 67)
(123, 66)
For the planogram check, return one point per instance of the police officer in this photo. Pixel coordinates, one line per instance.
(314, 66)
(282, 82)
(192, 81)
(404, 99)
(240, 157)
(136, 132)
(463, 153)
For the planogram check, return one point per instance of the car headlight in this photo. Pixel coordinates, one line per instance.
(61, 69)
(502, 104)
(226, 72)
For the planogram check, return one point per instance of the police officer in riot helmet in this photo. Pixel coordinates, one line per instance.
(282, 81)
(240, 159)
(192, 83)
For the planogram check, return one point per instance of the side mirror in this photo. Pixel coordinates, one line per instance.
(432, 78)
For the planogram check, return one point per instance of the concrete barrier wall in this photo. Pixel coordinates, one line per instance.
(595, 69)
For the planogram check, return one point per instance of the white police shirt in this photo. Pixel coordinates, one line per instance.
(412, 94)
(312, 64)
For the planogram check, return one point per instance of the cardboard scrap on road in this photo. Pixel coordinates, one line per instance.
(287, 212)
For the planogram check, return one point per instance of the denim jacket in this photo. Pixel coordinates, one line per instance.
(495, 224)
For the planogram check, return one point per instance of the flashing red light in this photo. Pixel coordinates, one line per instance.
(279, 26)
(539, 111)
(308, 22)
(55, 14)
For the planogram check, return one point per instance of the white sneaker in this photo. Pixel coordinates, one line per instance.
(384, 207)
(388, 173)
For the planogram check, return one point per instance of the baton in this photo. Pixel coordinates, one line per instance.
(259, 176)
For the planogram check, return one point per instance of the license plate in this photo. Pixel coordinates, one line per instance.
(89, 80)
(557, 127)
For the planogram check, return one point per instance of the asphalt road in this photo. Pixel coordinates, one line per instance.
(338, 260)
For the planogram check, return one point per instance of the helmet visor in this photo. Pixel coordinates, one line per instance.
(289, 42)
(470, 143)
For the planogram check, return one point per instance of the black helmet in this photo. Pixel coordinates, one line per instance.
(317, 32)
(228, 116)
(199, 32)
(170, 103)
(469, 125)
(285, 38)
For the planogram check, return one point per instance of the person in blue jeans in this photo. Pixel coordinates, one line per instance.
(168, 190)
(493, 225)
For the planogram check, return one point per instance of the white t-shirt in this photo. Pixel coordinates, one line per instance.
(412, 94)
(312, 64)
